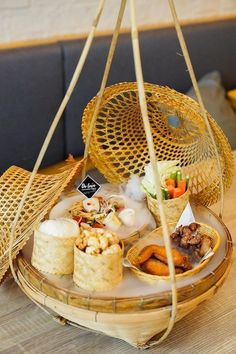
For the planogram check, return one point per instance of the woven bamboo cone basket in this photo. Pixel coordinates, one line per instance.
(173, 207)
(44, 193)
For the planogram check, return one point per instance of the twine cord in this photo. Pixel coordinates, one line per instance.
(199, 98)
(147, 127)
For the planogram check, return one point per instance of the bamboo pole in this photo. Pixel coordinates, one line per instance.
(147, 127)
(199, 97)
(53, 126)
(104, 82)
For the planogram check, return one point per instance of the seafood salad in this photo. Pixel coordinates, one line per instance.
(100, 212)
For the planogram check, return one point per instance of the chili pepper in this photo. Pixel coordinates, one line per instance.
(98, 226)
(79, 219)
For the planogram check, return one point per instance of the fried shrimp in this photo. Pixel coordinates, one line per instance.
(159, 252)
(156, 267)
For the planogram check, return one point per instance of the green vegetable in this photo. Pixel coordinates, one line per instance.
(178, 176)
(166, 194)
(173, 176)
(165, 168)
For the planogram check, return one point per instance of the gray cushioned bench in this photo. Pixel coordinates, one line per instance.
(33, 82)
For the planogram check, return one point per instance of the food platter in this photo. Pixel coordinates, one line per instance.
(133, 294)
(136, 328)
(119, 147)
(125, 233)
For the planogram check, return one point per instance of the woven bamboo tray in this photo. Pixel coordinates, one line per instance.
(152, 297)
(136, 328)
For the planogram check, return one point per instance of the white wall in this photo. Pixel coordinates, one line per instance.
(37, 19)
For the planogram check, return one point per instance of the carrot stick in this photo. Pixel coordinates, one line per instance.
(171, 190)
(170, 182)
(182, 185)
(177, 192)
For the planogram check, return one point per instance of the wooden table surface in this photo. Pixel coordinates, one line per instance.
(210, 328)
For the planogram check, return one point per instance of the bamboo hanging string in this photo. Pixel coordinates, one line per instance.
(143, 107)
(50, 133)
(104, 82)
(199, 98)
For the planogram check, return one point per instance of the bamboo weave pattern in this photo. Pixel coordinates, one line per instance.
(118, 144)
(45, 191)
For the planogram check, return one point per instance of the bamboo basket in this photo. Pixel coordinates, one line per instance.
(53, 254)
(123, 147)
(99, 272)
(173, 207)
(136, 328)
(118, 146)
(155, 237)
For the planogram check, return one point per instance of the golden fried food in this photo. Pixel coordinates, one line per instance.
(179, 259)
(156, 267)
(159, 252)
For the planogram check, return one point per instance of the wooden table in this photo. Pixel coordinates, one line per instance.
(211, 328)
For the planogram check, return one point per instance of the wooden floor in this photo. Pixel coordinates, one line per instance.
(210, 329)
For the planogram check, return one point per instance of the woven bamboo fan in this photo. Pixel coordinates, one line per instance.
(44, 193)
(118, 146)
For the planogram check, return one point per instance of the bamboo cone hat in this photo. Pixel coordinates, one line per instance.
(118, 146)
